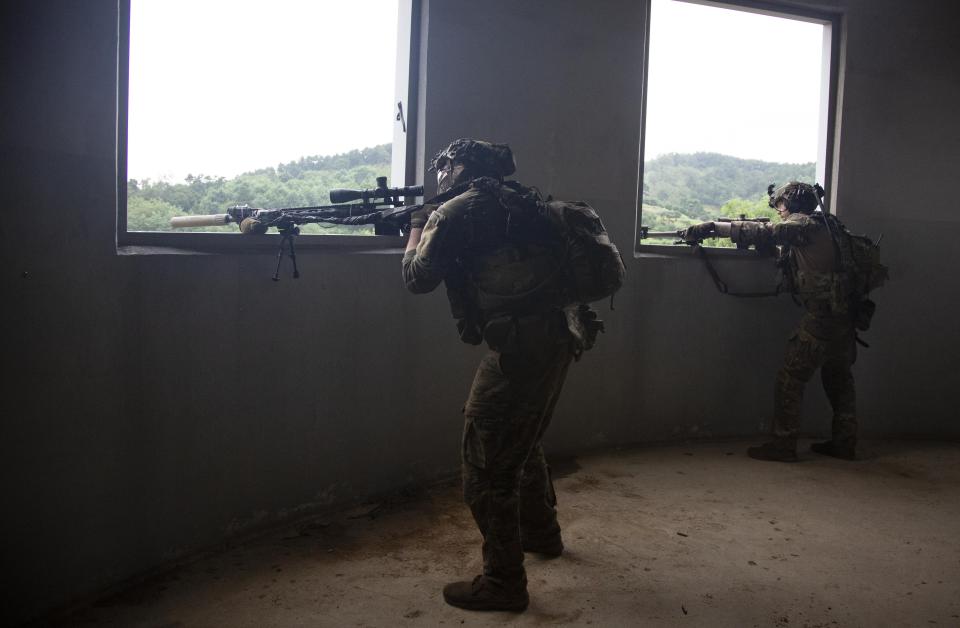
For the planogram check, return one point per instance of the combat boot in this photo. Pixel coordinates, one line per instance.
(837, 449)
(780, 450)
(548, 547)
(487, 594)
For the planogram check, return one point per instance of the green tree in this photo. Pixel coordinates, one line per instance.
(698, 187)
(150, 214)
(699, 184)
(304, 182)
(741, 208)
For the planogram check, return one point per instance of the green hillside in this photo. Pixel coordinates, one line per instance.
(679, 190)
(304, 182)
(699, 184)
(684, 189)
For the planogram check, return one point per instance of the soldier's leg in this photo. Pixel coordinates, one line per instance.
(503, 416)
(502, 585)
(539, 529)
(489, 478)
(837, 377)
(803, 355)
(491, 494)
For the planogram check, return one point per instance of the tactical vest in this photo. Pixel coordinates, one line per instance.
(857, 271)
(813, 271)
(507, 266)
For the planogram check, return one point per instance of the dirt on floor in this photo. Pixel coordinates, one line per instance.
(673, 535)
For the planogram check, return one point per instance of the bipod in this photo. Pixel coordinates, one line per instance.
(287, 234)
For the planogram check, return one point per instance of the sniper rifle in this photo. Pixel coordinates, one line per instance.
(697, 245)
(382, 207)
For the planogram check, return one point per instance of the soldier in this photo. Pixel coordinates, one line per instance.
(500, 272)
(825, 337)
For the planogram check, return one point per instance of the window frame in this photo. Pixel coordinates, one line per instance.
(832, 21)
(404, 161)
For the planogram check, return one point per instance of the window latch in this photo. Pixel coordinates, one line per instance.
(400, 117)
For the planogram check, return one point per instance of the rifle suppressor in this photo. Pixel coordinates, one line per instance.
(214, 220)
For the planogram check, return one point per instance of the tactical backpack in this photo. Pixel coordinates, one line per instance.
(860, 261)
(593, 264)
(866, 269)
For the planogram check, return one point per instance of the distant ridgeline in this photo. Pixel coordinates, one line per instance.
(679, 190)
(304, 182)
(683, 189)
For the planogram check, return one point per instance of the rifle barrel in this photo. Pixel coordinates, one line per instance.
(662, 234)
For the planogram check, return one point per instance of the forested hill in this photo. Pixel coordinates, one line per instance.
(306, 181)
(700, 183)
(679, 189)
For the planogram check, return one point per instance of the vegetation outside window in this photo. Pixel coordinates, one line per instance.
(735, 99)
(269, 104)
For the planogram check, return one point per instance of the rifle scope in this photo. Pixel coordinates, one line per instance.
(381, 191)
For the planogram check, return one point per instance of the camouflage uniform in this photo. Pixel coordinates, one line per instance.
(825, 337)
(507, 291)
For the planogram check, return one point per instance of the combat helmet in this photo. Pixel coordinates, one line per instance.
(481, 158)
(797, 196)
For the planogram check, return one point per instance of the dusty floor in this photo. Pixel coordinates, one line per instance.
(678, 535)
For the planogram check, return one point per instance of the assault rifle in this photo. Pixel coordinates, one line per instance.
(698, 249)
(381, 207)
(678, 234)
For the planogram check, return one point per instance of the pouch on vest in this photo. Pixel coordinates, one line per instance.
(863, 314)
(500, 334)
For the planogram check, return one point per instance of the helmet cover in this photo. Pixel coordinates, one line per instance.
(797, 196)
(479, 156)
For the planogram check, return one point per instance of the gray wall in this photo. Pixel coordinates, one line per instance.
(157, 404)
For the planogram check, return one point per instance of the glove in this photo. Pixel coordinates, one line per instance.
(252, 226)
(418, 218)
(696, 233)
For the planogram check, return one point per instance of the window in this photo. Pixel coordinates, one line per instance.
(736, 97)
(269, 104)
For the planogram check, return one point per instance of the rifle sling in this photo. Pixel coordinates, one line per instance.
(722, 286)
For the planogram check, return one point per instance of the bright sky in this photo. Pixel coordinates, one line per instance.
(220, 87)
(732, 82)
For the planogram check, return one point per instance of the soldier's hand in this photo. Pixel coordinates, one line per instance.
(696, 233)
(418, 218)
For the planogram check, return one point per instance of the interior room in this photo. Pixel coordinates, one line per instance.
(188, 443)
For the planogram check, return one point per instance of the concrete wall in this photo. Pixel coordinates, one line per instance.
(156, 404)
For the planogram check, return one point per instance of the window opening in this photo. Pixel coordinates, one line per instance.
(269, 104)
(735, 99)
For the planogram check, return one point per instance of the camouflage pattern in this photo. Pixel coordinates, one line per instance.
(825, 338)
(506, 481)
(506, 291)
(798, 197)
(487, 158)
(488, 274)
(827, 342)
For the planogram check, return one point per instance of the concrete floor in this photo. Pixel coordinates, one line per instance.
(674, 535)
